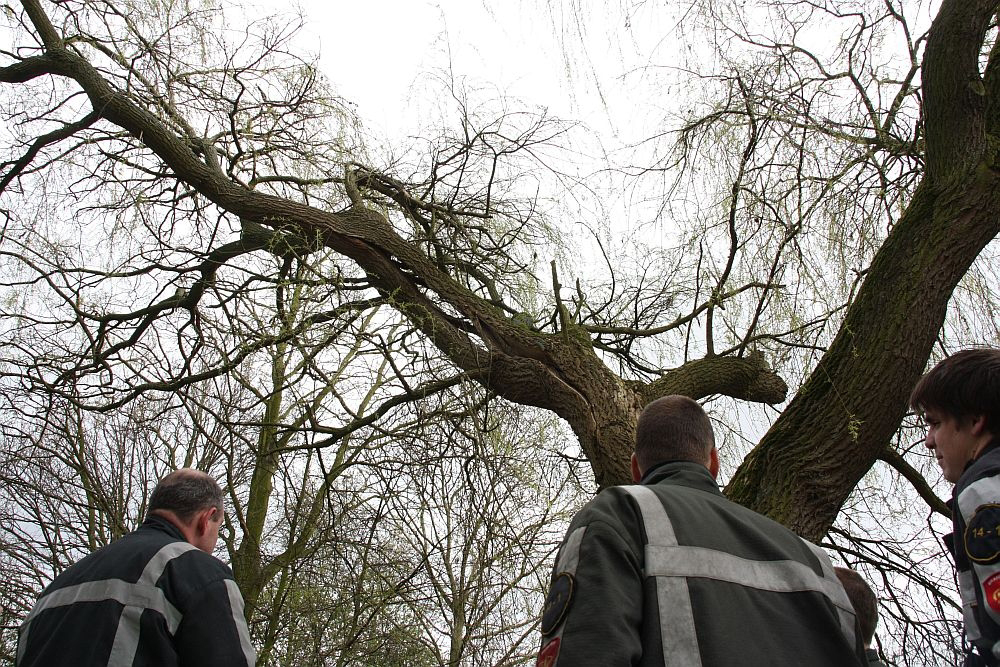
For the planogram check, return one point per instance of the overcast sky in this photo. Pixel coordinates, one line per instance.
(377, 52)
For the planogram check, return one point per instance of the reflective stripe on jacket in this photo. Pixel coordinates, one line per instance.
(149, 598)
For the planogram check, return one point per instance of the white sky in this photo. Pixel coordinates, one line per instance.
(377, 52)
(378, 68)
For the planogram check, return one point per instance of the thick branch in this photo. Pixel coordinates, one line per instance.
(750, 379)
(556, 372)
(954, 93)
(26, 70)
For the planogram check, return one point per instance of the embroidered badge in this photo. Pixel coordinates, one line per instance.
(557, 603)
(991, 591)
(982, 536)
(547, 656)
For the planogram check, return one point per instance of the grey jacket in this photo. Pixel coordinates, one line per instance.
(975, 548)
(673, 573)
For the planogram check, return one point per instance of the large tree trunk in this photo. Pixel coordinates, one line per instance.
(846, 413)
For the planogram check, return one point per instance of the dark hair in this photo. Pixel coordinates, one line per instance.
(966, 384)
(185, 493)
(863, 600)
(673, 428)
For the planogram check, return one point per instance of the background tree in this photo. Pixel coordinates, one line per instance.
(482, 519)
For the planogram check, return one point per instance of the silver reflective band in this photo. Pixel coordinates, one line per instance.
(147, 597)
(669, 562)
(677, 631)
(136, 598)
(659, 529)
(126, 642)
(126, 638)
(966, 588)
(678, 636)
(569, 557)
(980, 492)
(130, 595)
(158, 563)
(236, 605)
(779, 576)
(22, 643)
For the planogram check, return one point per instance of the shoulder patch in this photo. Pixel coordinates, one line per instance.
(548, 655)
(557, 602)
(991, 592)
(982, 535)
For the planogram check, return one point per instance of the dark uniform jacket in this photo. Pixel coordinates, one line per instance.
(150, 598)
(673, 573)
(873, 660)
(975, 547)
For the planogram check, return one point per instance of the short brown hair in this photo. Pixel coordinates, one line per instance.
(673, 428)
(966, 384)
(863, 600)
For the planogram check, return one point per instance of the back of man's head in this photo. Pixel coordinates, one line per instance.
(673, 428)
(966, 384)
(863, 600)
(185, 492)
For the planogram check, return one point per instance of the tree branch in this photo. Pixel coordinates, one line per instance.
(895, 460)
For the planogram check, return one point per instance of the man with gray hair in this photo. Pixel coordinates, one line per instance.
(670, 572)
(155, 597)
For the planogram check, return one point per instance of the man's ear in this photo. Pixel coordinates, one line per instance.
(713, 462)
(636, 473)
(202, 519)
(978, 425)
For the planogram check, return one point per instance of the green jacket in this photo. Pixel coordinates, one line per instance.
(714, 585)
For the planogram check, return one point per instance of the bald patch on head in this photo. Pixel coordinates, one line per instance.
(184, 493)
(185, 473)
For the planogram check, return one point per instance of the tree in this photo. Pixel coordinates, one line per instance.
(450, 277)
(209, 159)
(481, 519)
(313, 533)
(848, 410)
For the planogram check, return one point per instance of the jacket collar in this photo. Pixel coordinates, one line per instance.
(158, 523)
(684, 473)
(988, 460)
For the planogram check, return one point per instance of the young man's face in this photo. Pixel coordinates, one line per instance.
(954, 442)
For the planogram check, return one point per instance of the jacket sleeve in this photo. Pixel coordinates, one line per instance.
(979, 504)
(593, 612)
(214, 630)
